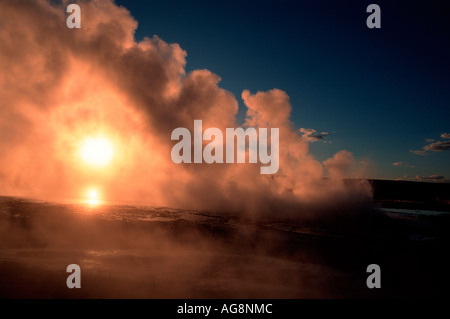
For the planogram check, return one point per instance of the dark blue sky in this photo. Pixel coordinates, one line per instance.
(380, 93)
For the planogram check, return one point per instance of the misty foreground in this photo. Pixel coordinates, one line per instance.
(144, 252)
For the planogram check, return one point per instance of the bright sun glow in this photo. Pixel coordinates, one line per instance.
(96, 151)
(93, 198)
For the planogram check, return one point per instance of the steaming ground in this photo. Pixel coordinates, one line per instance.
(145, 252)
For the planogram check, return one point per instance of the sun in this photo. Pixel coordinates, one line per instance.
(96, 151)
(92, 197)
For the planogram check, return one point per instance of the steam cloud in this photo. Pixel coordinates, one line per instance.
(59, 86)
